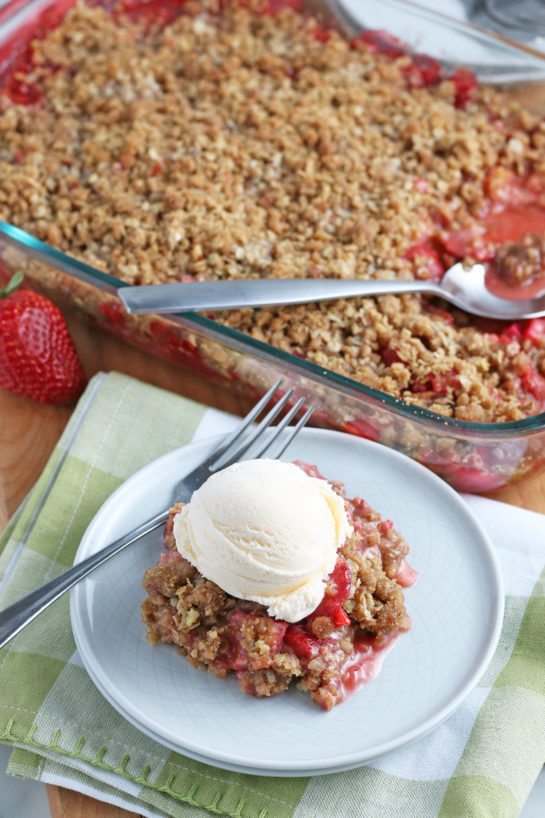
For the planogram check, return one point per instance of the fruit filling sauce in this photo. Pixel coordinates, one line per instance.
(330, 653)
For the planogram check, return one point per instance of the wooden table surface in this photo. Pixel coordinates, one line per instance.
(29, 431)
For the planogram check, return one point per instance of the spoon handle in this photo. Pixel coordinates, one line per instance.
(260, 292)
(15, 617)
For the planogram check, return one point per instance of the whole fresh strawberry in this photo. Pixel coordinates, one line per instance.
(37, 356)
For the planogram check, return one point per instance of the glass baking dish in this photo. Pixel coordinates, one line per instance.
(471, 456)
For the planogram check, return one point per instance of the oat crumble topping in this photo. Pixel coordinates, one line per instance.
(231, 144)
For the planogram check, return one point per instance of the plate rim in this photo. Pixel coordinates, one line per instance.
(343, 761)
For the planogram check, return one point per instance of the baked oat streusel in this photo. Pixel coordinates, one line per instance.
(235, 143)
(329, 653)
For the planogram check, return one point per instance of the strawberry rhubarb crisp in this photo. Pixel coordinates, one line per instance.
(217, 139)
(308, 582)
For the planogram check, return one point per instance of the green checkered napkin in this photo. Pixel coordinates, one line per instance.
(483, 761)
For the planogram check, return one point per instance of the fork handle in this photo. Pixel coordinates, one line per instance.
(17, 616)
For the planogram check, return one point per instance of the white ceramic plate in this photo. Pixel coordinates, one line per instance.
(456, 609)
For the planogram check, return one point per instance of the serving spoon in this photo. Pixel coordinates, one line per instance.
(462, 286)
(493, 58)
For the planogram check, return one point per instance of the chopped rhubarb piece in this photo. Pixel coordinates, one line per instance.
(498, 184)
(380, 42)
(301, 643)
(438, 383)
(114, 312)
(18, 87)
(534, 330)
(362, 428)
(433, 309)
(420, 387)
(170, 557)
(441, 381)
(321, 34)
(512, 332)
(390, 356)
(534, 383)
(465, 85)
(422, 72)
(22, 92)
(468, 241)
(427, 263)
(336, 594)
(422, 185)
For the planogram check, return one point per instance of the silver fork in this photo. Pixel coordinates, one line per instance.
(15, 617)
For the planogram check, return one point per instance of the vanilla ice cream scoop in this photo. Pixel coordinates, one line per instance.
(263, 530)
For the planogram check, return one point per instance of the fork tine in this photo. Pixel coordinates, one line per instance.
(247, 442)
(294, 431)
(245, 422)
(276, 430)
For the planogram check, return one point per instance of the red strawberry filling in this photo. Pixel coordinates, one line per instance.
(336, 594)
(305, 646)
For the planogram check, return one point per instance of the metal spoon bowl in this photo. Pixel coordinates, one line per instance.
(464, 287)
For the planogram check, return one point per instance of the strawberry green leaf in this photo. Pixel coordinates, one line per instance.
(12, 285)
